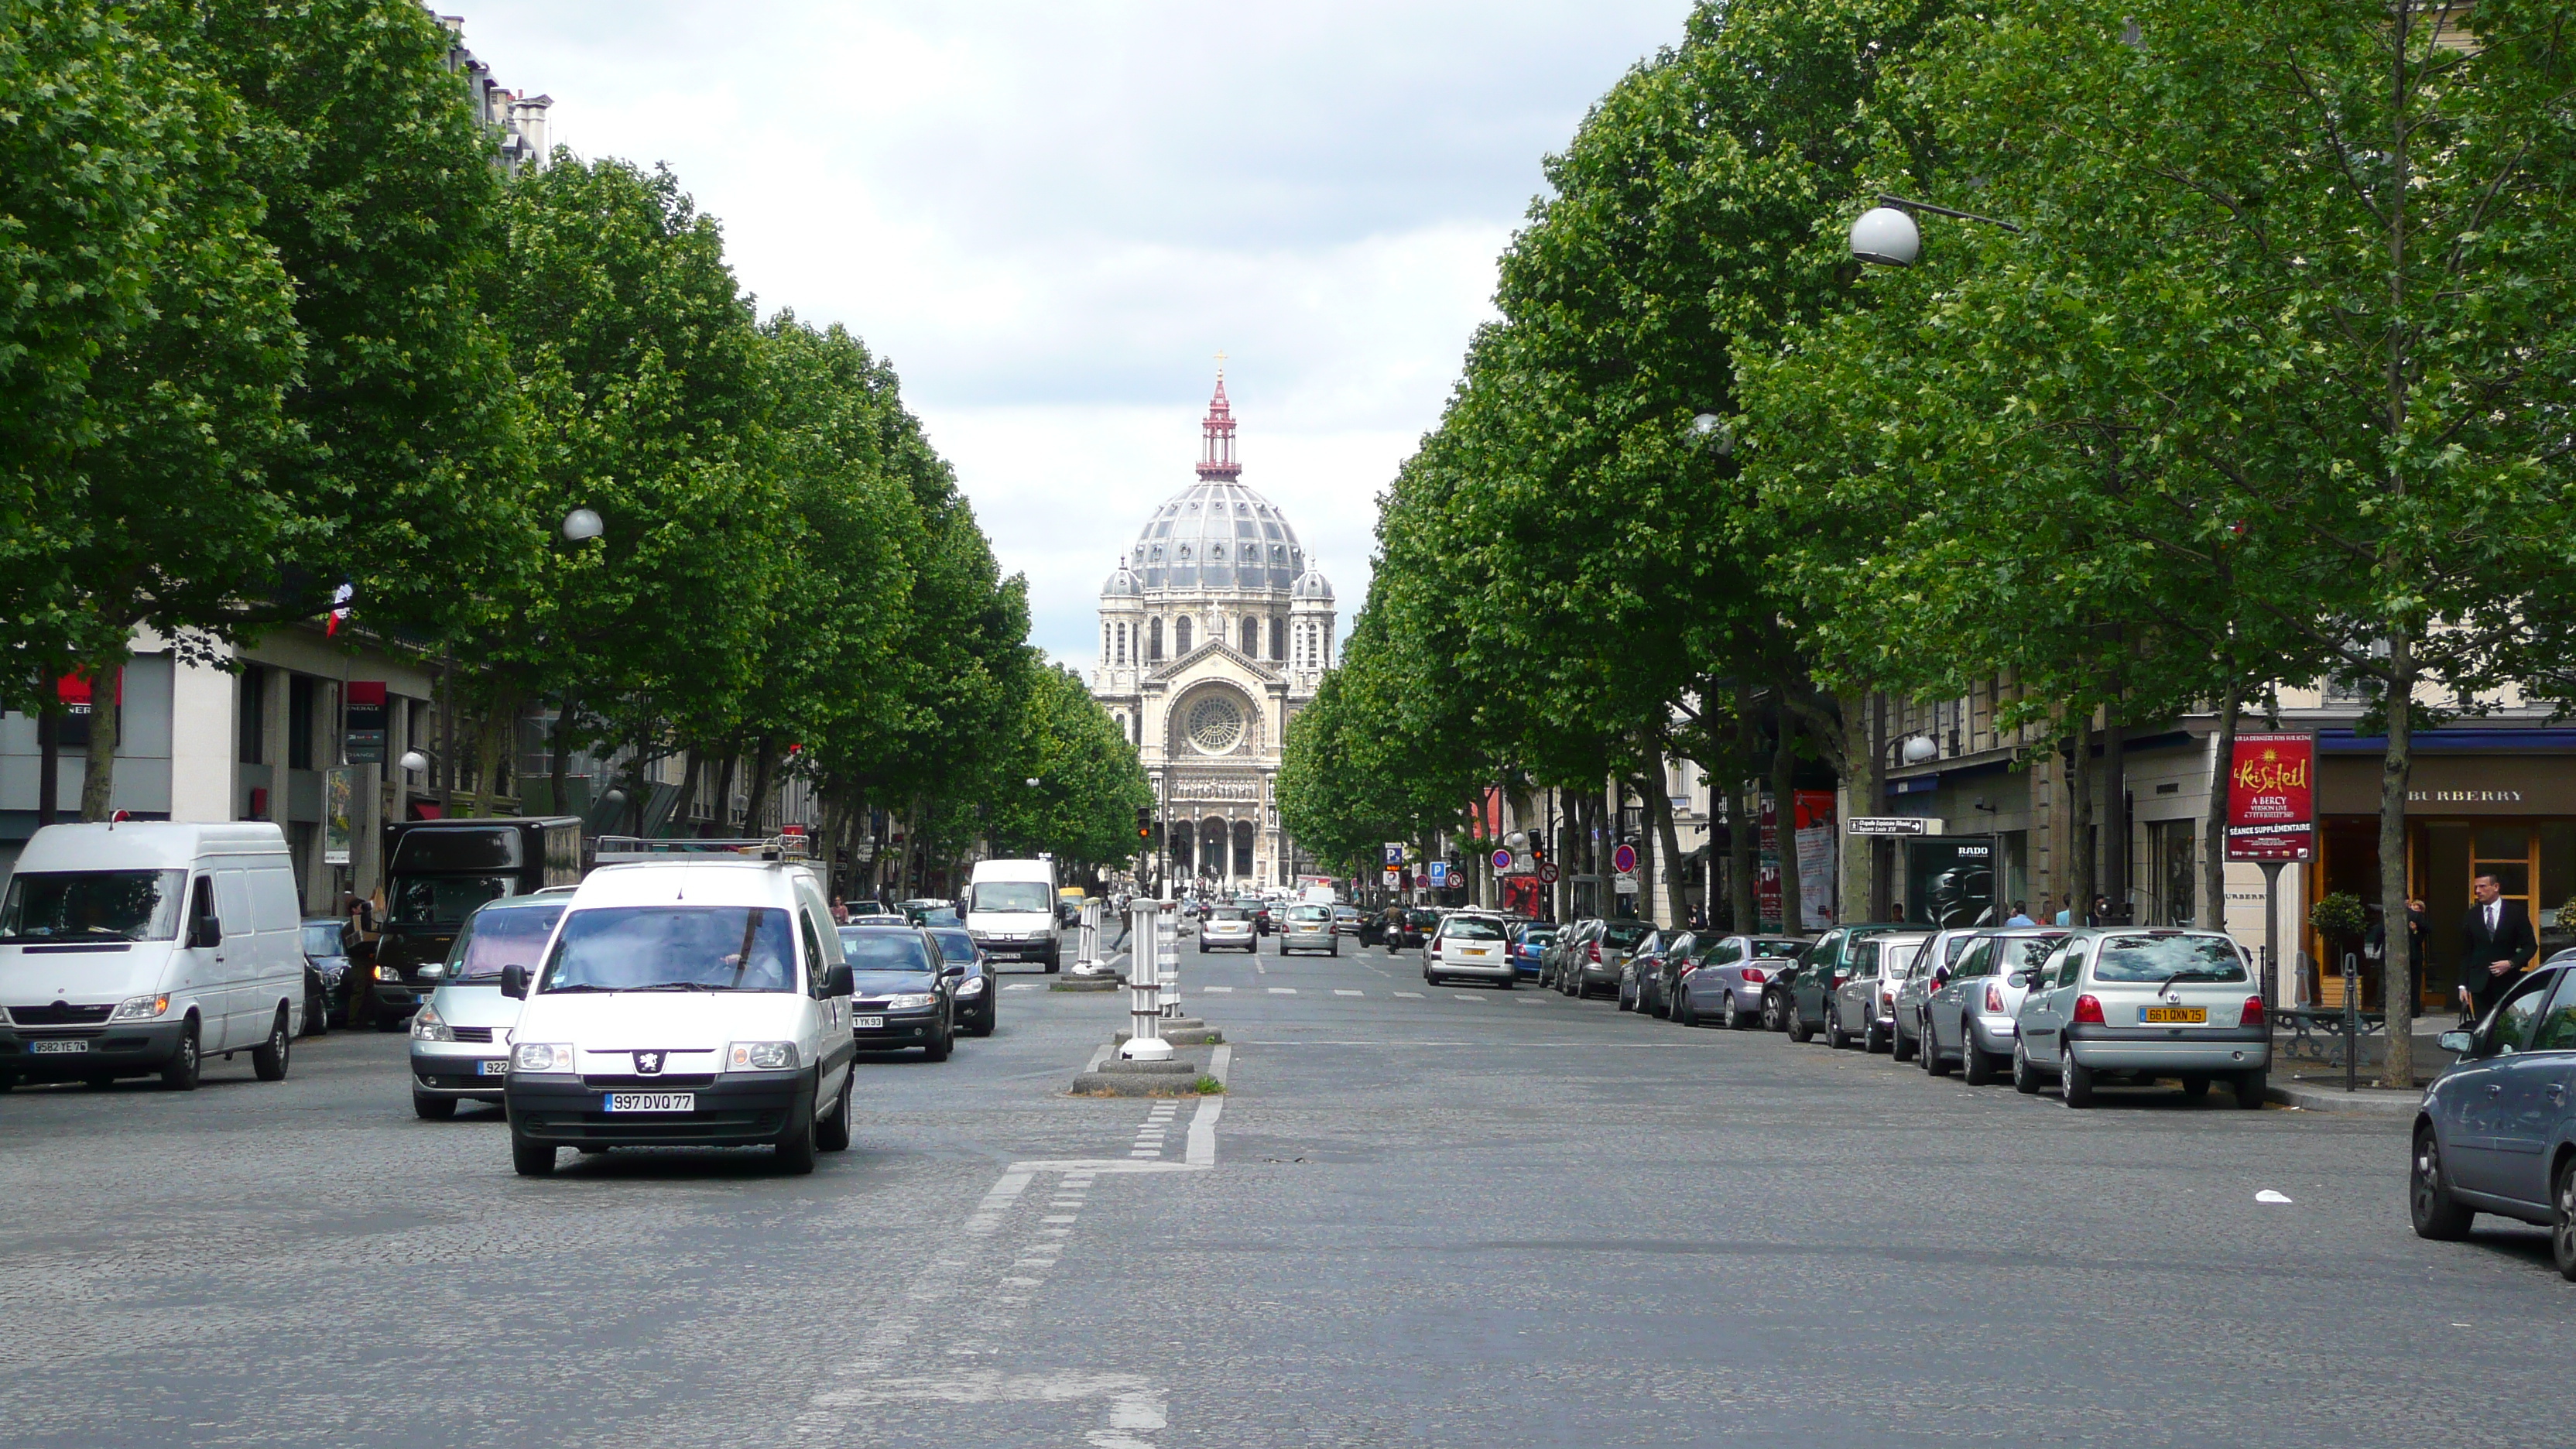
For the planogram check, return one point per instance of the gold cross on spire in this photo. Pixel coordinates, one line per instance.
(1220, 362)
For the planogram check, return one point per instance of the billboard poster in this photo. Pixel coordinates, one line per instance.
(339, 791)
(1816, 843)
(2271, 797)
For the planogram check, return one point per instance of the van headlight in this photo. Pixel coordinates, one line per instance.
(389, 973)
(541, 1056)
(760, 1056)
(132, 1008)
(426, 1025)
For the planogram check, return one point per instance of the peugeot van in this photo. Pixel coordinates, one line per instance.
(1010, 910)
(139, 947)
(683, 1003)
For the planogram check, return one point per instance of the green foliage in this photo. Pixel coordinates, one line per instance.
(1090, 781)
(2338, 916)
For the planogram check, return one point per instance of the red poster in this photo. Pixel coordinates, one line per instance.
(2271, 798)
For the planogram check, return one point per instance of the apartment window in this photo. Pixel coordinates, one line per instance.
(251, 717)
(1251, 632)
(300, 699)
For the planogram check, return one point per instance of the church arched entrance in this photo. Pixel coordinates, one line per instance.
(1243, 850)
(1212, 849)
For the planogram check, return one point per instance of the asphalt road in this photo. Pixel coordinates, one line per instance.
(1424, 1215)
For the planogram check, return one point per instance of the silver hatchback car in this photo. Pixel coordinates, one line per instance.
(1230, 927)
(460, 1037)
(2143, 1004)
(1864, 1005)
(1309, 928)
(1933, 961)
(1968, 1010)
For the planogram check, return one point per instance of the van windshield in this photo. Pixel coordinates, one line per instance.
(441, 900)
(497, 938)
(1011, 895)
(93, 905)
(673, 948)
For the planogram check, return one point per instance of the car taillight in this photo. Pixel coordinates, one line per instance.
(2088, 1011)
(1994, 1001)
(1886, 1001)
(2253, 1013)
(1595, 948)
(1753, 976)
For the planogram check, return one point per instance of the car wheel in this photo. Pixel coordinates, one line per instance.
(2074, 1079)
(270, 1058)
(1687, 1014)
(1509, 984)
(317, 1014)
(180, 1073)
(1898, 1045)
(1799, 1031)
(1976, 1067)
(1929, 1047)
(1835, 1036)
(2252, 1088)
(1869, 1041)
(832, 1134)
(2195, 1088)
(531, 1159)
(2025, 1076)
(795, 1146)
(1771, 1012)
(433, 1109)
(940, 1046)
(2437, 1215)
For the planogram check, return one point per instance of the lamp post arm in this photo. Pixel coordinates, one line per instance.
(1884, 199)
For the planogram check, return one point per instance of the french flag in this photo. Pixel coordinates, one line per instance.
(340, 598)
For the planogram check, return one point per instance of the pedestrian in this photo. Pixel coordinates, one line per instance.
(1896, 911)
(2496, 942)
(2066, 913)
(2021, 915)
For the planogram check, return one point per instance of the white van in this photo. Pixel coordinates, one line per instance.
(692, 1003)
(142, 946)
(1011, 910)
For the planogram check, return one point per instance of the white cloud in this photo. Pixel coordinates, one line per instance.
(1049, 215)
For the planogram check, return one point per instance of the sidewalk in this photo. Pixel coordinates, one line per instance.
(2317, 1086)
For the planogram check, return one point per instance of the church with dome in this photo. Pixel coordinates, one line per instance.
(1214, 632)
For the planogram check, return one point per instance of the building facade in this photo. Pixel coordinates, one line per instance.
(1214, 631)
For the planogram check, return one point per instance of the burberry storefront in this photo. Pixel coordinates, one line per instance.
(2479, 802)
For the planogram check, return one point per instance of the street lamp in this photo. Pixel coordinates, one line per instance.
(582, 525)
(413, 760)
(1885, 235)
(1919, 748)
(1711, 432)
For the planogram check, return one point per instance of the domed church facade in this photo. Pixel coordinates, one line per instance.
(1214, 632)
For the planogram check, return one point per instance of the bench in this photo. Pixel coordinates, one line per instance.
(2318, 1033)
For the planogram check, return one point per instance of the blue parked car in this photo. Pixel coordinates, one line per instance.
(1529, 942)
(2495, 1134)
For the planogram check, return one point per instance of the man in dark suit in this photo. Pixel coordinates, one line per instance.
(2496, 942)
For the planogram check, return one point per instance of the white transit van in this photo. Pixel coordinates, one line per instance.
(141, 947)
(1011, 910)
(684, 1003)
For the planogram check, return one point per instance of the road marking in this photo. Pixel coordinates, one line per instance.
(1218, 990)
(1341, 991)
(1463, 996)
(1019, 986)
(1410, 995)
(1283, 990)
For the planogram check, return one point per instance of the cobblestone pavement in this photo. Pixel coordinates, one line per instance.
(1424, 1215)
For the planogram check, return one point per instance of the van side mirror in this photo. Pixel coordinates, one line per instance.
(205, 933)
(433, 971)
(2457, 1043)
(836, 980)
(514, 982)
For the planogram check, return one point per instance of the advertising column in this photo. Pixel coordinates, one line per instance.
(2272, 820)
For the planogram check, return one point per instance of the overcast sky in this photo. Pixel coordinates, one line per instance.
(1050, 216)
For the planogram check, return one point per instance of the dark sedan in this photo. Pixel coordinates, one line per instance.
(977, 993)
(329, 976)
(903, 990)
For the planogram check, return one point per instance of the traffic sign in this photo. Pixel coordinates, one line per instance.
(1502, 860)
(1624, 859)
(1547, 871)
(1395, 852)
(1439, 875)
(1891, 825)
(1390, 877)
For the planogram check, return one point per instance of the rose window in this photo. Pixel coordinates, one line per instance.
(1214, 725)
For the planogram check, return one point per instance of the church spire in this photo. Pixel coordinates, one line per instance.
(1216, 449)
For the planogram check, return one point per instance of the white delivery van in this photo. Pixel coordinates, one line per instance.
(141, 947)
(1010, 910)
(684, 1003)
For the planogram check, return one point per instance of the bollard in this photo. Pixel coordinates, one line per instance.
(2351, 1020)
(1144, 988)
(1167, 958)
(1086, 956)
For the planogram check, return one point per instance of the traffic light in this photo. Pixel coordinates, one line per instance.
(1538, 853)
(1144, 822)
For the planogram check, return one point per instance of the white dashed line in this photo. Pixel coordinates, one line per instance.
(1463, 996)
(1283, 990)
(1218, 990)
(1410, 995)
(1019, 986)
(1339, 991)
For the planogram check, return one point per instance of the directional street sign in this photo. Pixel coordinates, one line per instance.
(1891, 825)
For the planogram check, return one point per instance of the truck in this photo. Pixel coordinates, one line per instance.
(1011, 910)
(437, 872)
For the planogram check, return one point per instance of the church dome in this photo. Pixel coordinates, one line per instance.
(1218, 534)
(1122, 584)
(1311, 585)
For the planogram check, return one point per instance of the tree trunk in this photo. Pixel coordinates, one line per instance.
(2397, 984)
(1784, 822)
(686, 802)
(2213, 830)
(98, 783)
(764, 770)
(559, 758)
(1859, 771)
(722, 806)
(1676, 884)
(2115, 812)
(2080, 887)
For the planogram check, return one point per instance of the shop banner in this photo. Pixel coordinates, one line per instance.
(2271, 798)
(339, 795)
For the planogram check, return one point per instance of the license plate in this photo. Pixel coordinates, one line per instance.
(491, 1069)
(652, 1102)
(67, 1047)
(2174, 1015)
(867, 1023)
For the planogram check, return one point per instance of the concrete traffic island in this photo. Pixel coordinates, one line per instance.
(1087, 983)
(1178, 1077)
(1180, 1031)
